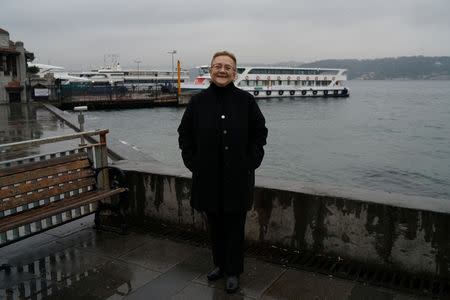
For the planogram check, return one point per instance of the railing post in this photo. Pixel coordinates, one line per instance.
(81, 121)
(103, 160)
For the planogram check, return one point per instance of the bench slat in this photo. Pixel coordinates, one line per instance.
(42, 164)
(44, 194)
(35, 185)
(54, 208)
(40, 173)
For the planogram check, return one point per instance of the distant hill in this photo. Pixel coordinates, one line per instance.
(408, 67)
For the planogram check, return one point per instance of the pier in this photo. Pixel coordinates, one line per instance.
(113, 98)
(108, 97)
(304, 240)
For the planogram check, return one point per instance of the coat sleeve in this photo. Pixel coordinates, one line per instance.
(186, 136)
(257, 134)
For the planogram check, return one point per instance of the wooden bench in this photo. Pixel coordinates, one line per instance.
(33, 195)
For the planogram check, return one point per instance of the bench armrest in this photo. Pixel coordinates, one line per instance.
(117, 178)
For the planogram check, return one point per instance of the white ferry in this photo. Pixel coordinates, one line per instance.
(134, 79)
(266, 82)
(97, 78)
(138, 79)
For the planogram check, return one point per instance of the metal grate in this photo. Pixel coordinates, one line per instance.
(313, 262)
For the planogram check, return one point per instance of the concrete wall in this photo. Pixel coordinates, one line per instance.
(21, 65)
(389, 230)
(4, 98)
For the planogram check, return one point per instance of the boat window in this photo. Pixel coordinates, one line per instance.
(328, 72)
(240, 70)
(255, 71)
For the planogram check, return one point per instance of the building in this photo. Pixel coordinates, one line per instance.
(13, 69)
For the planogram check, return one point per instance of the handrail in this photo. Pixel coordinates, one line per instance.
(54, 139)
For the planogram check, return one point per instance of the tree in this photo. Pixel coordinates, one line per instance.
(33, 70)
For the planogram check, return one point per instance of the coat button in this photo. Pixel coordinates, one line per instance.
(225, 132)
(226, 147)
(222, 117)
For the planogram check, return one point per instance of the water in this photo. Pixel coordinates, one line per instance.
(388, 135)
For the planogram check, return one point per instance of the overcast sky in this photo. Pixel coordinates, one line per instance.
(76, 34)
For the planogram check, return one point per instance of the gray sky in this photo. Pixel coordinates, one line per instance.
(77, 34)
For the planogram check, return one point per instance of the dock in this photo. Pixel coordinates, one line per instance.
(118, 100)
(100, 102)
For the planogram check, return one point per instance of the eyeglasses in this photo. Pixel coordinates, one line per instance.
(217, 67)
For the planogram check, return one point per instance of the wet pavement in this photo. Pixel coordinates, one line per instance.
(75, 261)
(19, 122)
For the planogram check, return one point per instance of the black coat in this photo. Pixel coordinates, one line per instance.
(221, 137)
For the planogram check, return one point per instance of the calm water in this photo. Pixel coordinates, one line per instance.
(388, 135)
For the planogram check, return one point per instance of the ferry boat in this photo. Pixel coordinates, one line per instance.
(97, 78)
(267, 82)
(57, 73)
(134, 79)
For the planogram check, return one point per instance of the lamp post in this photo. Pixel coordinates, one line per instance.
(138, 62)
(172, 52)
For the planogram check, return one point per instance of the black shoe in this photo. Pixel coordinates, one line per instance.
(232, 284)
(215, 274)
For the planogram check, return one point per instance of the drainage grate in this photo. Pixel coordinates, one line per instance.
(323, 264)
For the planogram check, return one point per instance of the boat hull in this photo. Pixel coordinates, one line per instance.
(279, 93)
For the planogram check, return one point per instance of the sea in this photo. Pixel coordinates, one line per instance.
(391, 136)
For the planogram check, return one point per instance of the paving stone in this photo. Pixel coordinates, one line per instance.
(159, 254)
(294, 284)
(105, 243)
(25, 286)
(174, 280)
(85, 263)
(28, 243)
(74, 226)
(113, 278)
(199, 291)
(255, 279)
(53, 255)
(366, 292)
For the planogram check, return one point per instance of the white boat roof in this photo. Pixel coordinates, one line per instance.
(43, 68)
(275, 67)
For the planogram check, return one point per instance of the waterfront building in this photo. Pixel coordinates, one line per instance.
(13, 69)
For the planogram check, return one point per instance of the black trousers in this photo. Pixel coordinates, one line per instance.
(227, 238)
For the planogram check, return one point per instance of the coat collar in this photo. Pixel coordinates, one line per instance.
(225, 89)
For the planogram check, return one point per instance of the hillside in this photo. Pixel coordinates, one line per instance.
(405, 68)
(412, 67)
